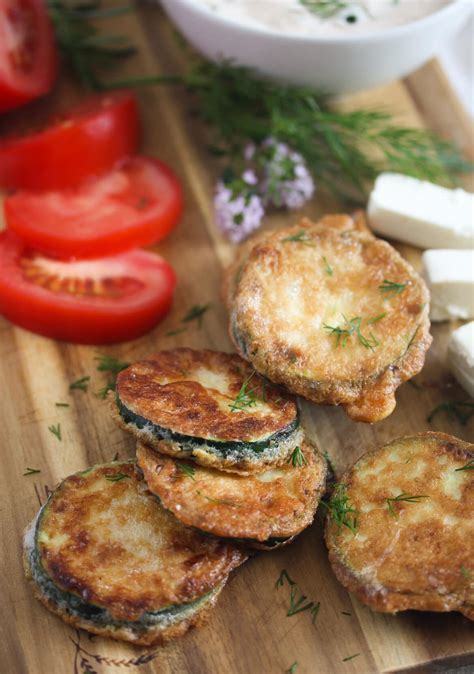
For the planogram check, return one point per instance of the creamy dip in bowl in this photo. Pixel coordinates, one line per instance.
(353, 46)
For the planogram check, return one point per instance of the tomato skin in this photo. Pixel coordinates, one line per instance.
(86, 142)
(86, 320)
(22, 83)
(104, 216)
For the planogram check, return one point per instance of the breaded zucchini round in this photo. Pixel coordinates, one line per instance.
(106, 557)
(331, 312)
(269, 507)
(400, 529)
(208, 406)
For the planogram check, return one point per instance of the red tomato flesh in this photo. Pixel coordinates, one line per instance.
(84, 143)
(99, 301)
(136, 204)
(28, 59)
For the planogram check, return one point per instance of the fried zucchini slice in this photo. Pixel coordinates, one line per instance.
(332, 313)
(208, 406)
(400, 529)
(106, 557)
(268, 507)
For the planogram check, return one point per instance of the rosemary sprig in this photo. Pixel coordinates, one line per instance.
(457, 410)
(297, 458)
(31, 471)
(245, 398)
(325, 9)
(80, 384)
(55, 430)
(350, 327)
(298, 601)
(299, 237)
(219, 501)
(117, 477)
(391, 288)
(196, 313)
(186, 470)
(113, 367)
(327, 267)
(468, 466)
(406, 498)
(340, 510)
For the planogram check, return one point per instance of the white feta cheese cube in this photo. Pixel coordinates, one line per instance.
(461, 356)
(449, 275)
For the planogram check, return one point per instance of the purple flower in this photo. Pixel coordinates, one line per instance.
(238, 210)
(287, 183)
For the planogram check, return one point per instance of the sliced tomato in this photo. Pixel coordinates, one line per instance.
(86, 142)
(136, 204)
(28, 60)
(98, 301)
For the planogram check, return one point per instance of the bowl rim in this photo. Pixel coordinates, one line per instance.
(452, 7)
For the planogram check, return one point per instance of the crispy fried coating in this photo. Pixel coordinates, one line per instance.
(332, 313)
(278, 503)
(412, 546)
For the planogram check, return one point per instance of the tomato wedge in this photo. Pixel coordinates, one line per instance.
(86, 142)
(136, 204)
(28, 60)
(98, 301)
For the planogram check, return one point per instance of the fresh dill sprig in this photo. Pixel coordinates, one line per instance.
(350, 327)
(298, 601)
(297, 458)
(350, 657)
(186, 470)
(324, 9)
(113, 366)
(465, 573)
(219, 501)
(196, 313)
(345, 613)
(80, 384)
(468, 466)
(299, 237)
(31, 471)
(172, 333)
(327, 267)
(292, 669)
(457, 410)
(340, 510)
(62, 404)
(376, 319)
(405, 498)
(245, 398)
(55, 430)
(391, 288)
(117, 477)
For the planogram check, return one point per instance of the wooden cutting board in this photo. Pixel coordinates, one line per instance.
(249, 631)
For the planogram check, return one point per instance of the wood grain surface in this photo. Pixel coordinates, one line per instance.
(249, 631)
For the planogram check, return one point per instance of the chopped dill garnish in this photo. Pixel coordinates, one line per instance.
(117, 477)
(292, 669)
(457, 410)
(340, 511)
(297, 458)
(405, 498)
(55, 430)
(299, 237)
(391, 288)
(347, 329)
(327, 267)
(468, 466)
(350, 657)
(31, 471)
(62, 404)
(298, 601)
(219, 501)
(325, 9)
(346, 613)
(172, 333)
(113, 366)
(376, 319)
(186, 470)
(80, 384)
(245, 398)
(465, 573)
(196, 313)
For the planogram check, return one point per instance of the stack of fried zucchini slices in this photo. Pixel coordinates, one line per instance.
(220, 447)
(331, 312)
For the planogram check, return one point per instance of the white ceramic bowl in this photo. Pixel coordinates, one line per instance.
(337, 65)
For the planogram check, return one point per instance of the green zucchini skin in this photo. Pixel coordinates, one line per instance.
(237, 449)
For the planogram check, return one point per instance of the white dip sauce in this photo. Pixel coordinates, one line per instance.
(345, 18)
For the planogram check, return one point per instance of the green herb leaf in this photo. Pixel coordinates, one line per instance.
(390, 288)
(298, 601)
(340, 511)
(186, 470)
(171, 333)
(117, 477)
(456, 410)
(219, 501)
(31, 471)
(327, 267)
(406, 498)
(292, 669)
(245, 398)
(324, 9)
(465, 573)
(55, 430)
(347, 329)
(346, 613)
(376, 319)
(80, 384)
(297, 458)
(113, 366)
(350, 657)
(468, 466)
(196, 313)
(300, 237)
(62, 404)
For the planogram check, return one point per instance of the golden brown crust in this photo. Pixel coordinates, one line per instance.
(409, 555)
(278, 503)
(191, 392)
(153, 636)
(106, 538)
(289, 295)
